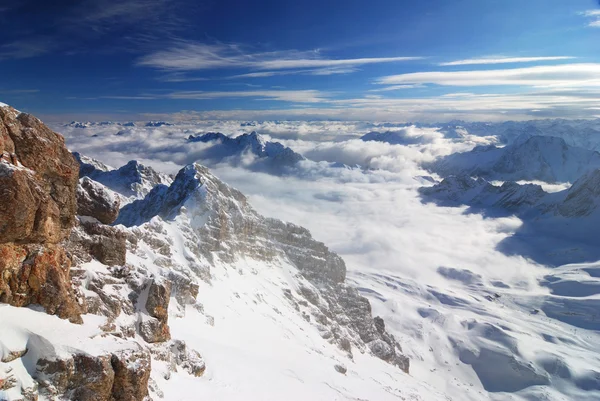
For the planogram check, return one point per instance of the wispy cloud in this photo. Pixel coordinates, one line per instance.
(19, 91)
(27, 48)
(504, 60)
(594, 18)
(295, 96)
(318, 71)
(188, 56)
(397, 87)
(72, 24)
(565, 75)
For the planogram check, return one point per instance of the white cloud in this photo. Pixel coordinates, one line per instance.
(397, 87)
(504, 60)
(318, 71)
(568, 75)
(187, 56)
(297, 96)
(594, 15)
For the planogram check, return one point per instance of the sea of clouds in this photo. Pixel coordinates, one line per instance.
(369, 211)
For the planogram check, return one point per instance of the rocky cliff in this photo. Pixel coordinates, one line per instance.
(38, 180)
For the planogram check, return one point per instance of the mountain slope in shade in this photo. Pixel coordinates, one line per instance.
(542, 158)
(559, 227)
(272, 155)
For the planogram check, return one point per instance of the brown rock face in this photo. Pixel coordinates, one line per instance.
(81, 377)
(93, 199)
(105, 243)
(38, 181)
(40, 149)
(156, 329)
(132, 372)
(122, 376)
(35, 274)
(27, 213)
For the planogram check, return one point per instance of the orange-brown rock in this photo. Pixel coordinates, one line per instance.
(35, 274)
(38, 181)
(39, 149)
(27, 212)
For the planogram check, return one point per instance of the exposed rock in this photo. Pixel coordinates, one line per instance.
(94, 200)
(183, 289)
(340, 368)
(105, 243)
(38, 177)
(132, 371)
(132, 180)
(156, 329)
(223, 225)
(41, 150)
(27, 212)
(12, 355)
(34, 274)
(157, 303)
(121, 375)
(179, 355)
(80, 377)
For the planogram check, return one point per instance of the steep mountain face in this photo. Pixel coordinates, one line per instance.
(541, 158)
(583, 198)
(225, 146)
(38, 177)
(220, 227)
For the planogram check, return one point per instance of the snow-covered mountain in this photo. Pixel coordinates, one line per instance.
(478, 192)
(571, 215)
(579, 133)
(251, 150)
(131, 181)
(94, 124)
(158, 124)
(188, 292)
(224, 146)
(543, 158)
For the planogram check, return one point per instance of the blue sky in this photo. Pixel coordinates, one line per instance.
(354, 60)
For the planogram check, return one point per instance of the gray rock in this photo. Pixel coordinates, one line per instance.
(94, 200)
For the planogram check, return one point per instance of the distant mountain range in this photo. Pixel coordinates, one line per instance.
(271, 155)
(571, 216)
(543, 158)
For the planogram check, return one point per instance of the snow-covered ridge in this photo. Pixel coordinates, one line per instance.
(571, 216)
(223, 228)
(253, 143)
(93, 124)
(543, 158)
(131, 181)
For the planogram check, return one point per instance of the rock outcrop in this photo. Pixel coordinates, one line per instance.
(95, 200)
(38, 180)
(155, 328)
(120, 375)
